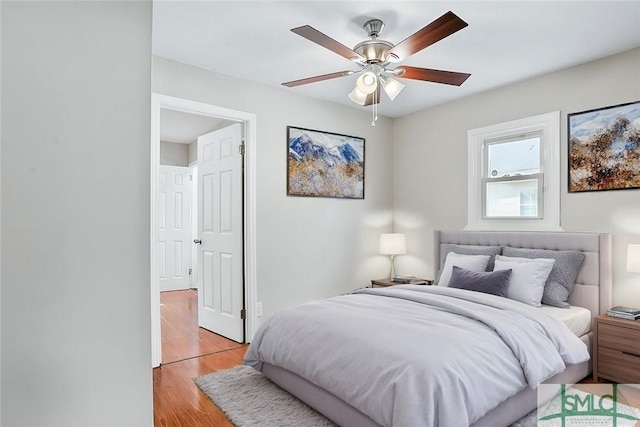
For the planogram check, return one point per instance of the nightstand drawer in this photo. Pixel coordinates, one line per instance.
(621, 366)
(619, 338)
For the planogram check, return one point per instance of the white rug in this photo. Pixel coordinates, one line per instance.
(251, 400)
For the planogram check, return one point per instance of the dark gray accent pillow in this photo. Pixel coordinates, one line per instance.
(492, 251)
(489, 282)
(563, 275)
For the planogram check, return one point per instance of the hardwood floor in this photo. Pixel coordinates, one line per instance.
(188, 352)
(178, 402)
(181, 336)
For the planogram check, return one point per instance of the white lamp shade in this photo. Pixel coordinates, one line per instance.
(392, 87)
(393, 244)
(367, 83)
(633, 258)
(358, 96)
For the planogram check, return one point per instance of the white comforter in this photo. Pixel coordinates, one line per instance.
(418, 355)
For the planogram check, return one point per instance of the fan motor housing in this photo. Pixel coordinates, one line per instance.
(373, 50)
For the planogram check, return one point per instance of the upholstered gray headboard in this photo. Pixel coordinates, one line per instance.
(593, 289)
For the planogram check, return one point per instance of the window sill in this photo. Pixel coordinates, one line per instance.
(521, 226)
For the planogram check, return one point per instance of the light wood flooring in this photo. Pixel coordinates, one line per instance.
(188, 352)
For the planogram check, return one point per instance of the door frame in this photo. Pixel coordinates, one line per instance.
(158, 102)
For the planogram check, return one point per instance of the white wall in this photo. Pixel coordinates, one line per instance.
(193, 152)
(307, 248)
(75, 214)
(173, 154)
(430, 161)
(0, 214)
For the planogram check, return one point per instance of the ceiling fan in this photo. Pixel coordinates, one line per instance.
(375, 56)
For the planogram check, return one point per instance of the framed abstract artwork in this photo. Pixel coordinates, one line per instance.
(604, 148)
(324, 164)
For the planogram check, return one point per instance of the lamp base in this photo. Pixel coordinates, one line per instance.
(392, 272)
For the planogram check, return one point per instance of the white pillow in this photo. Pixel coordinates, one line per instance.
(476, 263)
(528, 277)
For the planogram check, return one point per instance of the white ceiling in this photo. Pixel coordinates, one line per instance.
(183, 128)
(505, 41)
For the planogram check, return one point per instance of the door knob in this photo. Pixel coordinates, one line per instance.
(197, 241)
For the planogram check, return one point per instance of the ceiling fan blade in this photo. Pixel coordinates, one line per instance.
(442, 27)
(323, 40)
(429, 75)
(314, 79)
(373, 98)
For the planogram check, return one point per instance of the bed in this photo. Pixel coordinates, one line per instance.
(592, 291)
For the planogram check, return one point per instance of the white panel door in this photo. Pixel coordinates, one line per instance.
(220, 264)
(174, 222)
(193, 170)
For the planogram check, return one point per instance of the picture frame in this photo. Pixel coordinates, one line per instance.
(604, 148)
(324, 164)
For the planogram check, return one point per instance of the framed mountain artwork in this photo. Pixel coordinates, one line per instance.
(604, 148)
(324, 164)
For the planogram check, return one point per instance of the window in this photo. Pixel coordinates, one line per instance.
(512, 177)
(514, 173)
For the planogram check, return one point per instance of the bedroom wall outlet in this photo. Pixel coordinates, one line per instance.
(258, 309)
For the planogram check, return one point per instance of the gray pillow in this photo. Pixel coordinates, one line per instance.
(489, 282)
(563, 275)
(492, 251)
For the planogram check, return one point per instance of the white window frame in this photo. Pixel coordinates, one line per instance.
(549, 126)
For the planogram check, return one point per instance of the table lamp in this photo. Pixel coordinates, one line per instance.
(393, 244)
(633, 259)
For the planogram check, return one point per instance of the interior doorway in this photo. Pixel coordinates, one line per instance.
(170, 118)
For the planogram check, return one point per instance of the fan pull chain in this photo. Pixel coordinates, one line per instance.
(377, 102)
(374, 110)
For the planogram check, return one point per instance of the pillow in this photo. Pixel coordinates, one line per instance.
(527, 278)
(492, 251)
(470, 262)
(563, 275)
(489, 282)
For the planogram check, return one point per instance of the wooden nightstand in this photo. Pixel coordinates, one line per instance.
(616, 350)
(388, 282)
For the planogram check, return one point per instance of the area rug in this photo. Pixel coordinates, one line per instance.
(251, 400)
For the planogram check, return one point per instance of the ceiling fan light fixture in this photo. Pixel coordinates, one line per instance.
(373, 56)
(367, 83)
(358, 96)
(374, 51)
(391, 57)
(392, 87)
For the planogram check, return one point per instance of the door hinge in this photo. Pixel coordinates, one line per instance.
(241, 149)
(243, 314)
(190, 177)
(190, 271)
